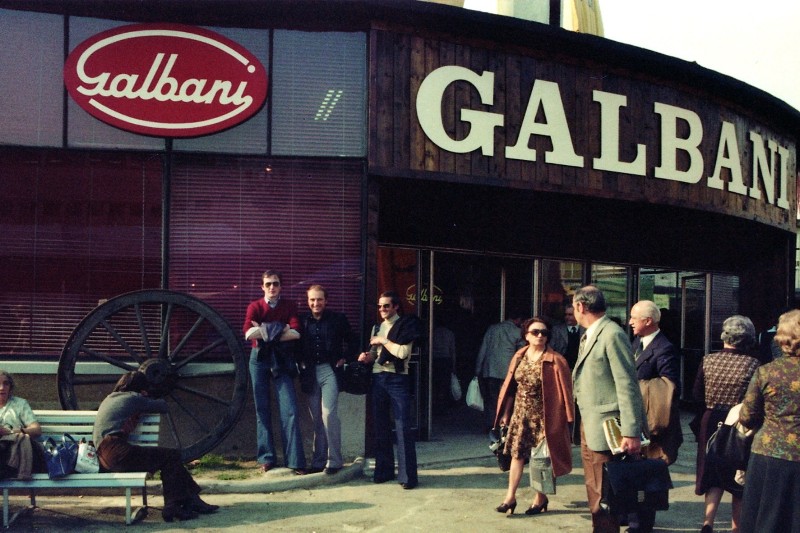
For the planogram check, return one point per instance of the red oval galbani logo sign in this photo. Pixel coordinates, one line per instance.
(166, 80)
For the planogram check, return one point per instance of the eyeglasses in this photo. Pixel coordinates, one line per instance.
(384, 306)
(538, 332)
(272, 283)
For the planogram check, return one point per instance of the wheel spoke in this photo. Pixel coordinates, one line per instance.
(186, 338)
(189, 413)
(216, 344)
(108, 359)
(143, 330)
(122, 342)
(173, 429)
(162, 349)
(202, 394)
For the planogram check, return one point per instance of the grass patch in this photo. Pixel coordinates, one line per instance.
(218, 467)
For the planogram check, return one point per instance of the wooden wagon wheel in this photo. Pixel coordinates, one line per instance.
(189, 353)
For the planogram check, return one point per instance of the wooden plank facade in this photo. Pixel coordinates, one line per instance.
(401, 59)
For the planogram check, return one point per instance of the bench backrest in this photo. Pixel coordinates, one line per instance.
(79, 424)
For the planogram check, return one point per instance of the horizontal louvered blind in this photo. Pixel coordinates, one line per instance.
(319, 94)
(234, 218)
(75, 229)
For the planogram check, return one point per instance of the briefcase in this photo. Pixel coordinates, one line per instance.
(629, 482)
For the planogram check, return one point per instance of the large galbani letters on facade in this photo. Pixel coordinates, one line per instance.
(681, 138)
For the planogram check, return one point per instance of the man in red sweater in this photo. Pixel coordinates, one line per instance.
(272, 325)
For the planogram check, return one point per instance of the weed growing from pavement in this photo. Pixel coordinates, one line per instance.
(218, 467)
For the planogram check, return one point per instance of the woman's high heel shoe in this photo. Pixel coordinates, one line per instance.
(505, 507)
(536, 509)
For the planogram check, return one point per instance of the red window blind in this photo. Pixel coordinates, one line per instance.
(235, 217)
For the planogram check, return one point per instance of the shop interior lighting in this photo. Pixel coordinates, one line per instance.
(328, 103)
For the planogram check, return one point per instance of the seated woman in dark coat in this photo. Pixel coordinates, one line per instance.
(117, 417)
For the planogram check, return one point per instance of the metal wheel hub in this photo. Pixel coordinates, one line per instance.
(161, 376)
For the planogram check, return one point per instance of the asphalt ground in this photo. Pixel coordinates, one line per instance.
(460, 485)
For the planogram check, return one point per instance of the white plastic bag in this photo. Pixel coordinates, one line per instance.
(455, 387)
(87, 458)
(474, 398)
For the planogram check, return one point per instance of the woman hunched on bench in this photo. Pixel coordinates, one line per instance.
(117, 416)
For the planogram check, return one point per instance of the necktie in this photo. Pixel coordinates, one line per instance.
(639, 350)
(582, 345)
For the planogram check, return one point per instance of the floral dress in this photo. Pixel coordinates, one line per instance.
(526, 427)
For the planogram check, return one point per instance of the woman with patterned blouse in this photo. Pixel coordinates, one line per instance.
(720, 384)
(772, 407)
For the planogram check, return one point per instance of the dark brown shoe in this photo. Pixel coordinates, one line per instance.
(332, 470)
(300, 471)
(266, 467)
(174, 511)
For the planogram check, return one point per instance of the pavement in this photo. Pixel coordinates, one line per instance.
(460, 485)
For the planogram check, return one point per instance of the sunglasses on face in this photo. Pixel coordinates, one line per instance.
(272, 283)
(384, 306)
(538, 332)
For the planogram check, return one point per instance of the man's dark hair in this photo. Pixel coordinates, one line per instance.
(393, 295)
(269, 274)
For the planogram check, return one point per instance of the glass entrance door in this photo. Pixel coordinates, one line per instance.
(694, 325)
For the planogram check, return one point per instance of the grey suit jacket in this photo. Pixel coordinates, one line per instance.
(605, 385)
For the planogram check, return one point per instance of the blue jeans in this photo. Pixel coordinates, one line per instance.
(323, 404)
(391, 400)
(262, 379)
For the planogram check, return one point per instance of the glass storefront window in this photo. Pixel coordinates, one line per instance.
(614, 281)
(31, 50)
(319, 94)
(560, 280)
(76, 229)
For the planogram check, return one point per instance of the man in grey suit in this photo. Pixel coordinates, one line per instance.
(565, 337)
(605, 386)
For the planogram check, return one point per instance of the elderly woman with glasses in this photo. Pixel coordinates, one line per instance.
(720, 384)
(536, 405)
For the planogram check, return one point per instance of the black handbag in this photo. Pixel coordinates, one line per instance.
(629, 482)
(497, 444)
(729, 448)
(355, 378)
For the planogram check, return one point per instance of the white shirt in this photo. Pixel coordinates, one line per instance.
(647, 339)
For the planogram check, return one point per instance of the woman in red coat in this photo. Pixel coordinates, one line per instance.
(536, 404)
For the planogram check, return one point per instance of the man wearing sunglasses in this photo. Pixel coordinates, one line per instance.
(391, 344)
(273, 326)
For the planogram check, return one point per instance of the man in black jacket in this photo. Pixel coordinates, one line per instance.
(328, 342)
(392, 341)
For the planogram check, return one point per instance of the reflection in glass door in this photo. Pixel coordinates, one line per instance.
(694, 324)
(473, 292)
(615, 282)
